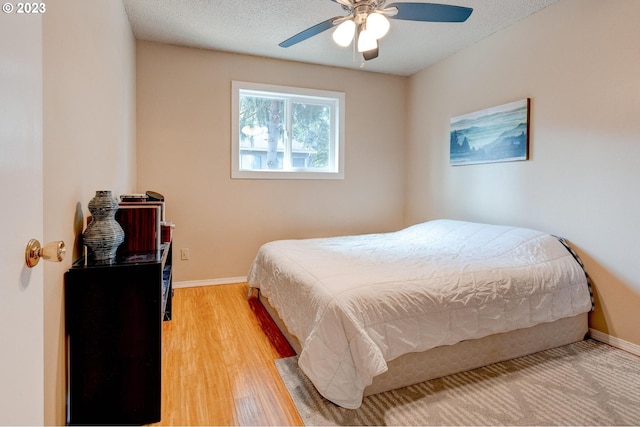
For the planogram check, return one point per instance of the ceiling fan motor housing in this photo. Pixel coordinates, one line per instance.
(361, 9)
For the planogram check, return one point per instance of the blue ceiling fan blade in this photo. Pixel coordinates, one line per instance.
(309, 32)
(430, 12)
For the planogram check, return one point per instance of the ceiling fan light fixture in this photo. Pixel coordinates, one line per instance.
(344, 33)
(366, 41)
(378, 25)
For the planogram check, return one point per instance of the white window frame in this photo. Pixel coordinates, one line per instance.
(337, 100)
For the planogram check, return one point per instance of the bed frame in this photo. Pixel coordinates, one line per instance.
(414, 368)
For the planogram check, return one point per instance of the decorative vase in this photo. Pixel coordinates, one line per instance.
(104, 234)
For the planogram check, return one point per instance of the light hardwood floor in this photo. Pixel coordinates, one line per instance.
(217, 362)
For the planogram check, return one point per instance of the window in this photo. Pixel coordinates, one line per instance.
(286, 132)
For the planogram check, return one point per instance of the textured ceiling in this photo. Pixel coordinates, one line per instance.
(256, 27)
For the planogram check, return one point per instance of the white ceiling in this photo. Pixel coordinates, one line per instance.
(256, 27)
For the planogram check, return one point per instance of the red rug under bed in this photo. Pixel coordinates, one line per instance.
(270, 329)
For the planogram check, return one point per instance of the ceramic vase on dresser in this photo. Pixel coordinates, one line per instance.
(103, 234)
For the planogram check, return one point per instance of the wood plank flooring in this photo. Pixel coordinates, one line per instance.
(217, 362)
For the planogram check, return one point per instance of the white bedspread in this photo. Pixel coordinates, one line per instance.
(356, 302)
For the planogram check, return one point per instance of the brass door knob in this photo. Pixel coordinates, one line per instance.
(53, 251)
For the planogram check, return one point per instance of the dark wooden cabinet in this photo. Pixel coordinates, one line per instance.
(114, 317)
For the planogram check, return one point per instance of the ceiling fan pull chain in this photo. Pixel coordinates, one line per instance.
(353, 48)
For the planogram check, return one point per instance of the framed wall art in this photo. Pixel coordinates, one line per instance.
(497, 134)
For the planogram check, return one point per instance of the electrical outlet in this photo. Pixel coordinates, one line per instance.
(184, 253)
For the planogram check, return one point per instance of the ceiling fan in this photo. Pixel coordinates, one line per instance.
(367, 22)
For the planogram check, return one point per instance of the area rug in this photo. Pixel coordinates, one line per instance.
(585, 383)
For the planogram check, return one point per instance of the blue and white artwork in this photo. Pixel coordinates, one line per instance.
(498, 134)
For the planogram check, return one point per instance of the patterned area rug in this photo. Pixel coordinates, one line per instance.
(586, 383)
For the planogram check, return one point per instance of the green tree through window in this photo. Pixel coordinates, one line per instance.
(287, 132)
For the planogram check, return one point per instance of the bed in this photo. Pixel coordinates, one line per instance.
(374, 312)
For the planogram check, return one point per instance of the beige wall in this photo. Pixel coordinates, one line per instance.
(89, 145)
(579, 62)
(184, 140)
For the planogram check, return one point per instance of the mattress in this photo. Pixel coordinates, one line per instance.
(359, 302)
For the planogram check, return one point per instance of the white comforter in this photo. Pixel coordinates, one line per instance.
(356, 302)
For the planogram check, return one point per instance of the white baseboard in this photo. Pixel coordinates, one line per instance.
(209, 282)
(615, 342)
